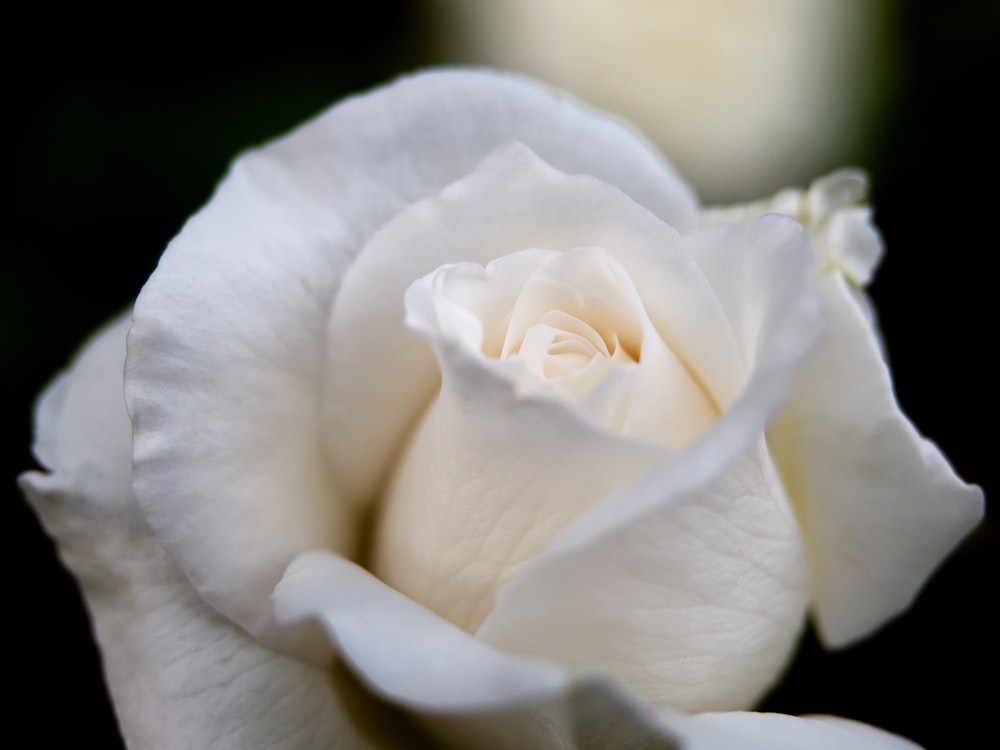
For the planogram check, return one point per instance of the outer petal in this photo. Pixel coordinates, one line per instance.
(224, 373)
(759, 731)
(880, 505)
(181, 675)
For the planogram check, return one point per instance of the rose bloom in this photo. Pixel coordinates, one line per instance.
(744, 95)
(453, 420)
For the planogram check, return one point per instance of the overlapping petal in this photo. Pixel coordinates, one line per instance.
(226, 354)
(697, 605)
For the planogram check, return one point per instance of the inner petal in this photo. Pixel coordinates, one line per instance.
(584, 292)
(561, 324)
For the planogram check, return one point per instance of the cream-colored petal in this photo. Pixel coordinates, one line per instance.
(488, 479)
(513, 201)
(568, 320)
(181, 675)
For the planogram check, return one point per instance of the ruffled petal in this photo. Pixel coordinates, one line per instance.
(409, 654)
(181, 675)
(513, 201)
(226, 354)
(880, 505)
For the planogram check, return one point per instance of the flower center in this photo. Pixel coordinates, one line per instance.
(557, 323)
(569, 326)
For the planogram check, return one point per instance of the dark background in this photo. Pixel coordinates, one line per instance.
(119, 127)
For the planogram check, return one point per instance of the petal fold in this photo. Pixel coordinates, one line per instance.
(880, 505)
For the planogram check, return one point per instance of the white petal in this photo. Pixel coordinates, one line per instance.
(761, 731)
(404, 651)
(465, 693)
(513, 201)
(181, 675)
(880, 505)
(696, 607)
(226, 353)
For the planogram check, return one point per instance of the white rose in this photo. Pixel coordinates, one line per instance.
(743, 96)
(468, 338)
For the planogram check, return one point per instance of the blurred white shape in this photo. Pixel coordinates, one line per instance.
(743, 96)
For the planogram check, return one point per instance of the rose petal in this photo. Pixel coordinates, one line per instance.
(487, 481)
(224, 372)
(513, 201)
(760, 731)
(880, 505)
(763, 271)
(494, 312)
(182, 676)
(464, 692)
(696, 607)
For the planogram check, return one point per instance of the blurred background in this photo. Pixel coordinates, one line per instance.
(118, 129)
